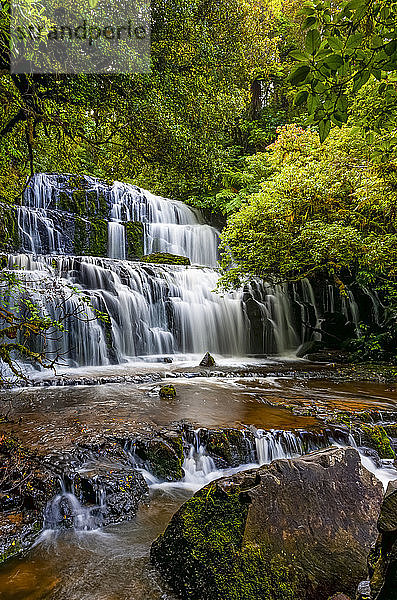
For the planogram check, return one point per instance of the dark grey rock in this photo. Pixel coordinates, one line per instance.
(297, 529)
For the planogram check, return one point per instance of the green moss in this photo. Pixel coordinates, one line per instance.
(9, 230)
(377, 437)
(167, 392)
(13, 549)
(208, 532)
(90, 237)
(166, 259)
(391, 430)
(219, 445)
(163, 458)
(83, 202)
(134, 234)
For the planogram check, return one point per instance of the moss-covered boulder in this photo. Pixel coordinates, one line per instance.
(207, 361)
(162, 457)
(167, 392)
(164, 258)
(293, 530)
(228, 447)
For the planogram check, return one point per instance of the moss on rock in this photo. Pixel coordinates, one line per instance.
(376, 437)
(162, 457)
(9, 231)
(270, 533)
(167, 392)
(134, 234)
(208, 537)
(166, 258)
(90, 237)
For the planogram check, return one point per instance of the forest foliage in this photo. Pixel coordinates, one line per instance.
(277, 117)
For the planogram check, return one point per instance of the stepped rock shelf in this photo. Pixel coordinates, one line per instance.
(78, 231)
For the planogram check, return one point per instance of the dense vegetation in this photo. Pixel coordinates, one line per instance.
(280, 117)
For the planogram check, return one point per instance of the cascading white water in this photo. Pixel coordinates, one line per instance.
(271, 445)
(152, 309)
(65, 510)
(274, 303)
(170, 225)
(200, 468)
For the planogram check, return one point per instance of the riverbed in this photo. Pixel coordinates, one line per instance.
(112, 563)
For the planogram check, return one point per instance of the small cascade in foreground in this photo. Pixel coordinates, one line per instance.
(65, 511)
(262, 447)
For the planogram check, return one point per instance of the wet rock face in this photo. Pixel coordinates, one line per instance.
(382, 561)
(117, 492)
(163, 456)
(296, 529)
(25, 489)
(207, 360)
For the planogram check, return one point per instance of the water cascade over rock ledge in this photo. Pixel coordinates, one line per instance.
(80, 230)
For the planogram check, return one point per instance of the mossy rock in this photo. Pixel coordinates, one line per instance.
(163, 458)
(391, 430)
(207, 361)
(134, 235)
(90, 237)
(9, 230)
(225, 543)
(164, 258)
(376, 437)
(167, 392)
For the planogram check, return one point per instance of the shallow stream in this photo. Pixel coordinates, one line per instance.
(112, 563)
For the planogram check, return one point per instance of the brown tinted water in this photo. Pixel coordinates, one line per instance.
(112, 564)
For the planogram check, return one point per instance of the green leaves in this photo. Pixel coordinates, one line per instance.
(334, 61)
(301, 98)
(299, 74)
(344, 47)
(324, 128)
(312, 41)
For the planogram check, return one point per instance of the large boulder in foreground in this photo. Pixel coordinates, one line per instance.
(382, 561)
(294, 530)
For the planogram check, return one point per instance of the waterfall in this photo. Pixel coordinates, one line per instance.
(151, 309)
(170, 225)
(271, 445)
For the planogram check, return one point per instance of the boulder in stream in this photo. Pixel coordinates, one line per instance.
(167, 392)
(295, 529)
(207, 360)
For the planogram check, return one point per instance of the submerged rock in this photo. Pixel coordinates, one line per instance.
(295, 529)
(382, 561)
(207, 360)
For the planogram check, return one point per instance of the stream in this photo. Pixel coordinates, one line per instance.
(112, 563)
